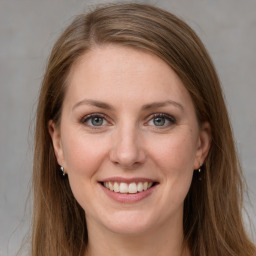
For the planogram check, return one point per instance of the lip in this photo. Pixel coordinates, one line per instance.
(128, 180)
(128, 198)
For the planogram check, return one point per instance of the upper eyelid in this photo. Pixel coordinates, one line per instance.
(108, 119)
(87, 117)
(170, 121)
(162, 115)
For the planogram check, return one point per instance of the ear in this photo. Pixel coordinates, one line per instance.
(203, 144)
(56, 141)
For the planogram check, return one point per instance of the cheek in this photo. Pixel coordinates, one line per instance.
(83, 154)
(175, 153)
(175, 157)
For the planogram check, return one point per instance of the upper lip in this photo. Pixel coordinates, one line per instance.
(127, 180)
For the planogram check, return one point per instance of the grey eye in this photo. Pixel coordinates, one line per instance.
(97, 121)
(159, 121)
(94, 120)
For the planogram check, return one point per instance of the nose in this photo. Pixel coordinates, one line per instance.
(127, 148)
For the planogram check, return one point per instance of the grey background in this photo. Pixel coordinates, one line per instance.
(29, 28)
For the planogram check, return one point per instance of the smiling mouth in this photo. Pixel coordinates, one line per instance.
(128, 188)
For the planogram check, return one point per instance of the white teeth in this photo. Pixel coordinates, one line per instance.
(124, 188)
(140, 187)
(111, 187)
(130, 188)
(116, 187)
(145, 185)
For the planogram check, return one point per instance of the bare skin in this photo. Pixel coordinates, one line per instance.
(128, 119)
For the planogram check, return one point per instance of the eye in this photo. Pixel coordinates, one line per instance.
(161, 120)
(94, 120)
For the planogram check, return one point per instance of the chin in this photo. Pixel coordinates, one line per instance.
(130, 223)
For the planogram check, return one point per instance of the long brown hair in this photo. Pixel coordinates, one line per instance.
(212, 209)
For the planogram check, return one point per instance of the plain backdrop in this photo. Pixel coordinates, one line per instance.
(28, 30)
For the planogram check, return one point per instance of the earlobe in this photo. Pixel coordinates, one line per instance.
(56, 141)
(204, 144)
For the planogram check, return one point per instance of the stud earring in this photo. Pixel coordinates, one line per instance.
(198, 173)
(63, 173)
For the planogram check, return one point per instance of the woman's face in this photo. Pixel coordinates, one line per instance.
(129, 125)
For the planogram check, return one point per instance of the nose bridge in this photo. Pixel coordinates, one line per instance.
(127, 149)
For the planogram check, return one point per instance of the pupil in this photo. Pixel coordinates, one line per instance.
(159, 121)
(97, 121)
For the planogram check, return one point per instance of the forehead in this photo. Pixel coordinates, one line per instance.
(116, 72)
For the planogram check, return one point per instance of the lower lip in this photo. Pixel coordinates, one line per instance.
(128, 198)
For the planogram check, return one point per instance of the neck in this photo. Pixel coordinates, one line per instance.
(163, 241)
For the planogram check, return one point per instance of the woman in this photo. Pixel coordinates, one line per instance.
(131, 114)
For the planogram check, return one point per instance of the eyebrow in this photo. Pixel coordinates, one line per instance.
(107, 106)
(95, 103)
(163, 104)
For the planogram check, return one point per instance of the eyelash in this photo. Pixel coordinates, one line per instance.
(167, 117)
(86, 118)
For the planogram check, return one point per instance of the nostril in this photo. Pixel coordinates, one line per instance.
(127, 153)
(127, 167)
